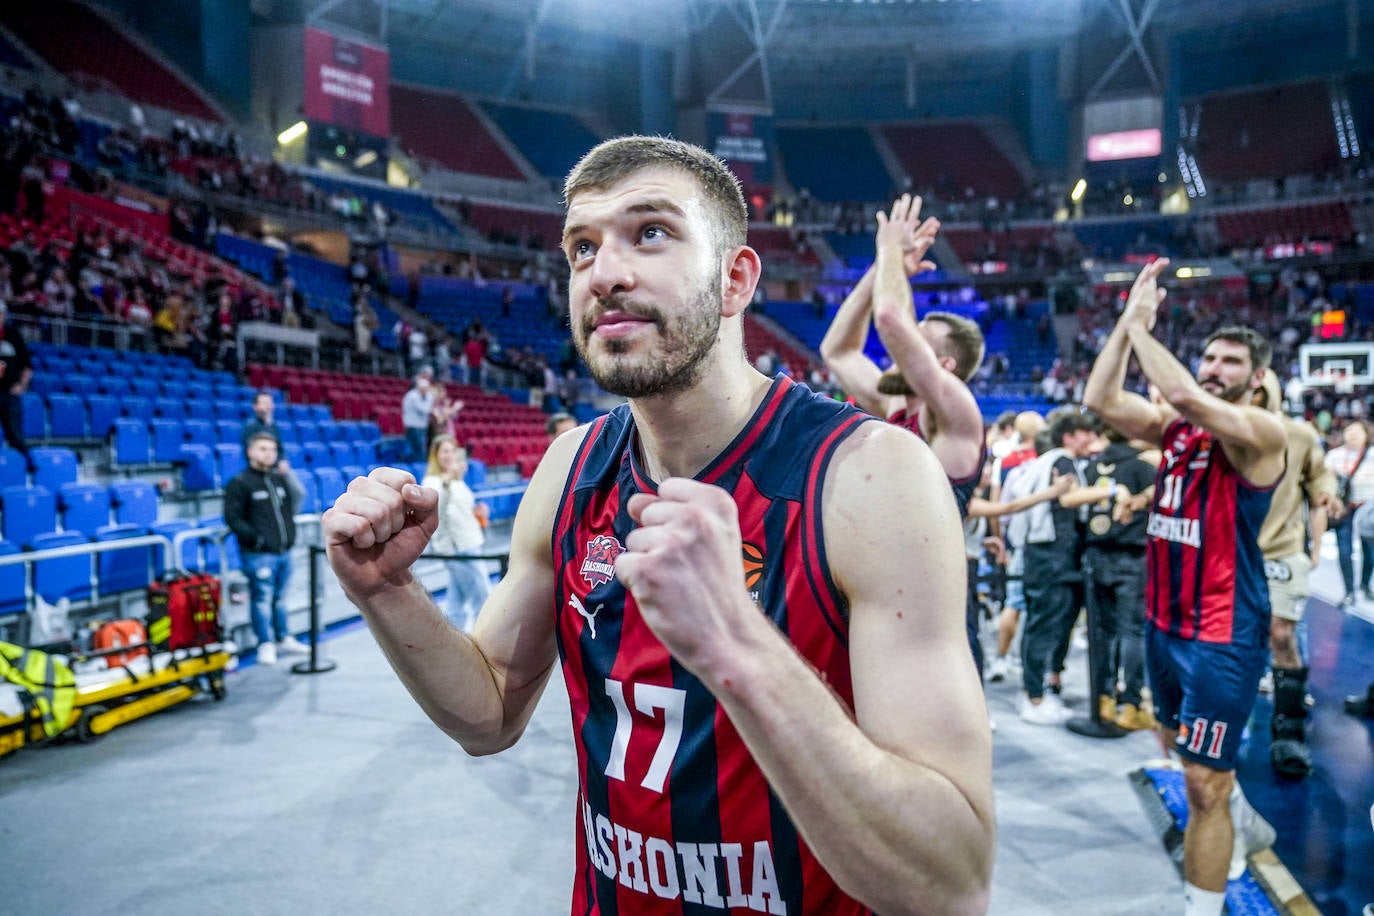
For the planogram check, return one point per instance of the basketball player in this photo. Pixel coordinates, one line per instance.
(926, 390)
(742, 744)
(1287, 566)
(1204, 594)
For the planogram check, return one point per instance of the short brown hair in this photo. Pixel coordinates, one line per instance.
(1261, 351)
(610, 162)
(964, 342)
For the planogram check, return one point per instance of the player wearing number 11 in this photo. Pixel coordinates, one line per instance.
(1205, 588)
(759, 619)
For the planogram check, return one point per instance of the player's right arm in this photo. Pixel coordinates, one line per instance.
(481, 689)
(1105, 393)
(842, 348)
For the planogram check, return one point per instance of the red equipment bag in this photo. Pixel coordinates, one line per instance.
(117, 634)
(183, 612)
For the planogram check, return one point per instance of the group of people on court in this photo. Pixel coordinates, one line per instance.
(758, 597)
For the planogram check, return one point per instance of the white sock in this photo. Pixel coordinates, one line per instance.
(1202, 903)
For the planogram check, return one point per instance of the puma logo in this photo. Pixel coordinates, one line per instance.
(578, 606)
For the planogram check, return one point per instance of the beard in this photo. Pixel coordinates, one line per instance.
(1235, 394)
(675, 363)
(893, 382)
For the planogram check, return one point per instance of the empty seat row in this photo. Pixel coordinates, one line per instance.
(28, 511)
(211, 468)
(162, 440)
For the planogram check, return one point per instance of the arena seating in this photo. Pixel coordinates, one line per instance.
(415, 210)
(834, 163)
(441, 127)
(552, 141)
(1328, 221)
(542, 226)
(454, 302)
(953, 156)
(971, 243)
(79, 41)
(778, 245)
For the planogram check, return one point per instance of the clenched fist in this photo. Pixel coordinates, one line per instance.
(377, 530)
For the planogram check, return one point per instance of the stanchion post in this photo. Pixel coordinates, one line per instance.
(1092, 726)
(314, 665)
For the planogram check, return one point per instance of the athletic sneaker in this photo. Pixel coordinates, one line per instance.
(290, 644)
(1134, 718)
(1106, 707)
(1049, 711)
(267, 653)
(1253, 834)
(1266, 684)
(998, 669)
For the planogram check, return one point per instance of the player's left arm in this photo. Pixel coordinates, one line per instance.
(1252, 436)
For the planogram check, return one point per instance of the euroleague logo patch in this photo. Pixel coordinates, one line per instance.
(599, 567)
(753, 565)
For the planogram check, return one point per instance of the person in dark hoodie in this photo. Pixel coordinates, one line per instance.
(259, 507)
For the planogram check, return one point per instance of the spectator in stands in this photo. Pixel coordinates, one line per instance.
(365, 324)
(441, 417)
(443, 356)
(417, 348)
(59, 296)
(222, 336)
(459, 531)
(259, 507)
(558, 424)
(16, 369)
(262, 423)
(417, 407)
(138, 317)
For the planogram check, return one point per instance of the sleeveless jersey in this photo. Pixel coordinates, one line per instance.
(1204, 570)
(674, 815)
(963, 487)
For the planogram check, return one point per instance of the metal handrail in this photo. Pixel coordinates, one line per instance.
(29, 558)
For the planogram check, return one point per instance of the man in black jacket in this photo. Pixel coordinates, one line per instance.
(259, 507)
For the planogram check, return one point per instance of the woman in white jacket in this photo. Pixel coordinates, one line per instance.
(459, 530)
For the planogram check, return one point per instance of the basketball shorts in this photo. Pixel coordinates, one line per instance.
(1288, 584)
(1205, 691)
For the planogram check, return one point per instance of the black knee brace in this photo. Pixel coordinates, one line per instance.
(1288, 751)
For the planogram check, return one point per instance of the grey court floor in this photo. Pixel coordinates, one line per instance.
(332, 793)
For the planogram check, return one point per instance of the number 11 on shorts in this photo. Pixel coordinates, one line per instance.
(1197, 735)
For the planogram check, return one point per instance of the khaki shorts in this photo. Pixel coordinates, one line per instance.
(1288, 585)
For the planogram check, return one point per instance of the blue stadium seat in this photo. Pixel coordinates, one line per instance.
(316, 455)
(168, 437)
(331, 486)
(230, 460)
(35, 416)
(145, 387)
(198, 471)
(293, 455)
(123, 570)
(200, 391)
(349, 471)
(53, 466)
(310, 502)
(308, 430)
(67, 415)
(320, 413)
(476, 475)
(170, 529)
(12, 598)
(369, 431)
(171, 408)
(77, 383)
(365, 451)
(134, 502)
(131, 442)
(335, 432)
(116, 386)
(136, 406)
(288, 433)
(200, 432)
(65, 577)
(342, 453)
(231, 411)
(14, 470)
(28, 512)
(232, 558)
(229, 432)
(103, 410)
(84, 507)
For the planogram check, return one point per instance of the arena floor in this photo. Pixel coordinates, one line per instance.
(333, 794)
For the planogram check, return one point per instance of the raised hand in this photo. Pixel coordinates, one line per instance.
(377, 530)
(683, 565)
(1142, 306)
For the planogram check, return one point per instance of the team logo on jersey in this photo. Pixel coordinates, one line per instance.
(599, 567)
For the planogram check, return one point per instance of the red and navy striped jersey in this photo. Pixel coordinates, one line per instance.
(963, 487)
(674, 814)
(1204, 570)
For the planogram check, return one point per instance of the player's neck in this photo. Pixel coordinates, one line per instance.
(680, 434)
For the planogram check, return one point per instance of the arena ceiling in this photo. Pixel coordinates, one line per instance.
(746, 51)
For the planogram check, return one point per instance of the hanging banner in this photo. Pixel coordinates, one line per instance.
(743, 140)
